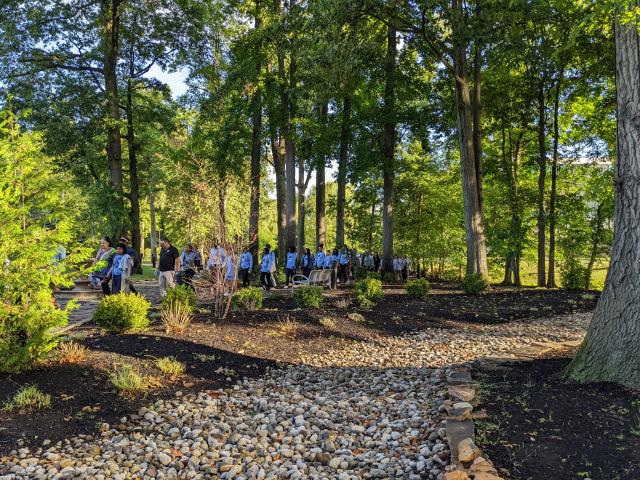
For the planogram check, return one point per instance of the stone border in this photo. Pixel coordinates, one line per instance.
(467, 460)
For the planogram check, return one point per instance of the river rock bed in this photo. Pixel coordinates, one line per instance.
(298, 422)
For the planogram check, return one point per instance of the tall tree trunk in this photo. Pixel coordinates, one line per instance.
(111, 15)
(256, 137)
(372, 219)
(476, 106)
(223, 186)
(152, 216)
(473, 218)
(389, 146)
(301, 212)
(542, 175)
(321, 226)
(134, 194)
(610, 350)
(345, 137)
(551, 279)
(597, 229)
(277, 150)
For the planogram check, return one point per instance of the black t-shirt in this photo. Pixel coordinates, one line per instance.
(168, 259)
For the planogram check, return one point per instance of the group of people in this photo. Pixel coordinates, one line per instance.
(113, 267)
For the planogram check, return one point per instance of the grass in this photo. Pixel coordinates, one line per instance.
(71, 352)
(127, 380)
(356, 317)
(176, 317)
(148, 273)
(170, 366)
(29, 397)
(327, 322)
(286, 327)
(343, 303)
(529, 273)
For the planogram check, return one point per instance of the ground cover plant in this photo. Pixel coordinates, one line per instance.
(176, 317)
(308, 296)
(249, 299)
(181, 294)
(28, 398)
(123, 313)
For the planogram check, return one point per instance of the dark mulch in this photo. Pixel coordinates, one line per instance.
(247, 343)
(542, 427)
(83, 398)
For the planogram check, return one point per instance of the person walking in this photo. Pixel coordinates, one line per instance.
(216, 256)
(343, 265)
(168, 265)
(231, 274)
(120, 270)
(397, 268)
(265, 267)
(307, 262)
(246, 264)
(190, 263)
(290, 267)
(101, 265)
(135, 257)
(376, 262)
(320, 257)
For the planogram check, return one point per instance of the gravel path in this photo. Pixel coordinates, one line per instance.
(459, 343)
(335, 417)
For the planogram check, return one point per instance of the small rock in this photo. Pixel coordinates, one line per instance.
(467, 451)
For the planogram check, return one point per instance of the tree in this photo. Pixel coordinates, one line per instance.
(610, 351)
(36, 217)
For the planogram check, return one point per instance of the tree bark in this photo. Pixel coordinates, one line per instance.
(610, 350)
(321, 226)
(473, 217)
(477, 120)
(111, 15)
(256, 136)
(551, 279)
(389, 145)
(542, 175)
(286, 105)
(345, 137)
(152, 216)
(301, 212)
(277, 150)
(134, 194)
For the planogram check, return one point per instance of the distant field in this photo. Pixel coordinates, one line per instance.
(529, 274)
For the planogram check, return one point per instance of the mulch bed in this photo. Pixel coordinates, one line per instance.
(541, 426)
(246, 343)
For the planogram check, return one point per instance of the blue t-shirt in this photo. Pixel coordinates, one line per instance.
(117, 265)
(320, 259)
(291, 260)
(307, 260)
(267, 260)
(246, 261)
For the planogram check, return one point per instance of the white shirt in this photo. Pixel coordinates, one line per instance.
(216, 257)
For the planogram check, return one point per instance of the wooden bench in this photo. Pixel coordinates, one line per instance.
(316, 277)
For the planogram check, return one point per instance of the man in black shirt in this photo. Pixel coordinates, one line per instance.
(168, 266)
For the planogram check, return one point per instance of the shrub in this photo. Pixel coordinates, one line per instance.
(122, 312)
(28, 397)
(72, 352)
(127, 380)
(308, 296)
(356, 317)
(389, 277)
(343, 303)
(249, 299)
(181, 294)
(170, 366)
(368, 292)
(287, 326)
(418, 288)
(474, 284)
(573, 275)
(176, 317)
(327, 322)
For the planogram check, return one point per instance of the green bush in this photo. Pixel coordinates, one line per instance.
(474, 284)
(249, 299)
(418, 288)
(181, 294)
(573, 275)
(309, 296)
(36, 218)
(368, 292)
(122, 312)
